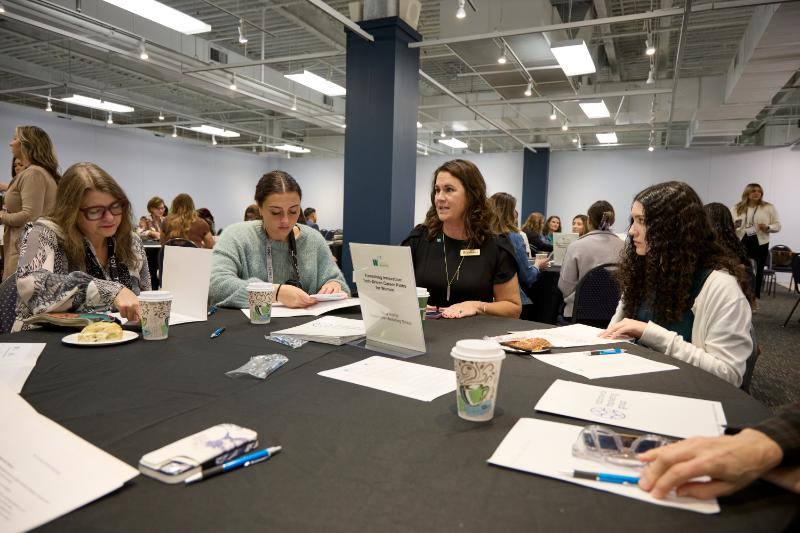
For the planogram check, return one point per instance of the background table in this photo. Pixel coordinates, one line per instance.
(546, 296)
(354, 459)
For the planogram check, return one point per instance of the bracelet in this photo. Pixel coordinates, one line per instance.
(278, 291)
(484, 308)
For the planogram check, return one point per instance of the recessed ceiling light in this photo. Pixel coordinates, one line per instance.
(594, 108)
(606, 138)
(311, 80)
(574, 57)
(94, 103)
(453, 143)
(163, 14)
(211, 130)
(292, 148)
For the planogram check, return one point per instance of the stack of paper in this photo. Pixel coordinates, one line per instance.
(16, 363)
(328, 330)
(564, 337)
(603, 366)
(320, 308)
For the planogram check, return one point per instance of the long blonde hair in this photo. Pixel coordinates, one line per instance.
(741, 207)
(181, 215)
(76, 181)
(38, 149)
(504, 207)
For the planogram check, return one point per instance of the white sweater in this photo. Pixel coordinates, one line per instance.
(765, 214)
(721, 341)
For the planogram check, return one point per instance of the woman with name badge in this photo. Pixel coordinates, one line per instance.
(680, 293)
(293, 257)
(465, 267)
(86, 256)
(754, 219)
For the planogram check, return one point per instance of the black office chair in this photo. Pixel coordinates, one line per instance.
(8, 303)
(750, 364)
(780, 257)
(596, 297)
(184, 243)
(796, 278)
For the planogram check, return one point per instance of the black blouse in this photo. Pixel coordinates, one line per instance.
(478, 275)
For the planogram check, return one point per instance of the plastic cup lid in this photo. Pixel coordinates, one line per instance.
(422, 291)
(155, 296)
(477, 350)
(259, 286)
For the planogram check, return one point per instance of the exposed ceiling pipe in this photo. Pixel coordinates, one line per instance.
(566, 97)
(677, 74)
(355, 28)
(239, 16)
(270, 61)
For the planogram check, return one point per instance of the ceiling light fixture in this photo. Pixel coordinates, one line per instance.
(292, 148)
(232, 86)
(442, 135)
(426, 150)
(503, 59)
(164, 15)
(651, 148)
(174, 131)
(419, 124)
(143, 51)
(573, 56)
(453, 143)
(2, 9)
(214, 140)
(242, 32)
(564, 126)
(553, 115)
(480, 148)
(649, 48)
(253, 149)
(110, 119)
(594, 108)
(319, 84)
(574, 139)
(94, 103)
(461, 12)
(49, 107)
(606, 138)
(651, 78)
(160, 115)
(529, 89)
(211, 130)
(294, 103)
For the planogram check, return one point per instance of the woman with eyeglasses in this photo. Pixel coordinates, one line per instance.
(294, 258)
(86, 256)
(32, 193)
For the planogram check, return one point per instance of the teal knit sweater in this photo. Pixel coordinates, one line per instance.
(240, 257)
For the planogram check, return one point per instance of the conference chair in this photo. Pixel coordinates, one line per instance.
(796, 278)
(596, 297)
(769, 282)
(185, 243)
(750, 364)
(8, 303)
(781, 260)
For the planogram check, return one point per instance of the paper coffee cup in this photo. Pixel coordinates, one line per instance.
(422, 297)
(155, 307)
(259, 295)
(477, 365)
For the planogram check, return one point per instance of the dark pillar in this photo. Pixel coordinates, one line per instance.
(535, 179)
(380, 156)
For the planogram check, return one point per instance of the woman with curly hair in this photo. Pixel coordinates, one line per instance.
(533, 228)
(184, 223)
(680, 295)
(465, 267)
(754, 219)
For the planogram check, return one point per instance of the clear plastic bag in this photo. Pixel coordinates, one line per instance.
(259, 366)
(291, 342)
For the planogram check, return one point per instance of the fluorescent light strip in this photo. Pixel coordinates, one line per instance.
(211, 130)
(319, 84)
(163, 14)
(595, 108)
(574, 57)
(453, 143)
(607, 138)
(292, 148)
(94, 103)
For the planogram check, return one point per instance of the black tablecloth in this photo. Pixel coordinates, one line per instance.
(354, 459)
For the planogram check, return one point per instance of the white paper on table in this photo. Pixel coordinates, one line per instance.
(175, 319)
(603, 366)
(664, 414)
(545, 448)
(564, 336)
(47, 471)
(16, 363)
(187, 274)
(327, 326)
(412, 380)
(320, 308)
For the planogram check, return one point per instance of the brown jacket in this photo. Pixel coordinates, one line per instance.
(30, 196)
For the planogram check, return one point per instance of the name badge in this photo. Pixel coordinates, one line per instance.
(467, 252)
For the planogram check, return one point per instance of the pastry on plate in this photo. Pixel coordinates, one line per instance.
(100, 332)
(536, 344)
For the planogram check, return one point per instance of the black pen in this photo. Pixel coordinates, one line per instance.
(217, 333)
(240, 462)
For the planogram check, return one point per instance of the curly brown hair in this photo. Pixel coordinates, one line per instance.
(680, 242)
(477, 215)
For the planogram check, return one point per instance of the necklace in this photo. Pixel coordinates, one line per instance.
(447, 277)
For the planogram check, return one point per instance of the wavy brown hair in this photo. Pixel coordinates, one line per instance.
(76, 181)
(504, 207)
(534, 223)
(181, 216)
(477, 215)
(679, 242)
(38, 148)
(722, 224)
(546, 230)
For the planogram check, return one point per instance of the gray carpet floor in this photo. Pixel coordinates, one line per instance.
(776, 378)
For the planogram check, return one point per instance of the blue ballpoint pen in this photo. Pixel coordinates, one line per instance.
(608, 478)
(217, 333)
(240, 462)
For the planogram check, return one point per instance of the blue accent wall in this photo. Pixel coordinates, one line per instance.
(535, 180)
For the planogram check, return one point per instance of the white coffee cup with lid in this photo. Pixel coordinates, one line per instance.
(422, 297)
(155, 307)
(259, 296)
(477, 365)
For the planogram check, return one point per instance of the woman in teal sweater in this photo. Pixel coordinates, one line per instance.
(293, 257)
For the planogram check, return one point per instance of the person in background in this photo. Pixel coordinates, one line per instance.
(86, 256)
(504, 207)
(770, 450)
(311, 217)
(679, 292)
(206, 215)
(252, 213)
(183, 223)
(32, 193)
(721, 222)
(465, 267)
(596, 247)
(16, 168)
(158, 213)
(579, 224)
(276, 249)
(754, 219)
(533, 228)
(552, 225)
(142, 228)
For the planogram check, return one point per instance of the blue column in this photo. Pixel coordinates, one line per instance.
(535, 180)
(380, 156)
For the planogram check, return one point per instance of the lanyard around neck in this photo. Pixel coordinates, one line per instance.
(292, 256)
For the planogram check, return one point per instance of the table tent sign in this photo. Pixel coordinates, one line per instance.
(560, 243)
(387, 290)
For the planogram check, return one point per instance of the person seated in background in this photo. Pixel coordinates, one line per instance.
(504, 207)
(679, 292)
(465, 267)
(142, 228)
(579, 224)
(551, 225)
(597, 247)
(158, 212)
(533, 228)
(184, 223)
(311, 217)
(770, 450)
(16, 168)
(206, 215)
(722, 223)
(252, 213)
(276, 249)
(86, 256)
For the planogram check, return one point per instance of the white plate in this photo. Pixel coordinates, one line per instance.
(329, 297)
(127, 336)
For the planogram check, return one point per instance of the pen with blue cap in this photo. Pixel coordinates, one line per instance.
(217, 333)
(240, 462)
(608, 478)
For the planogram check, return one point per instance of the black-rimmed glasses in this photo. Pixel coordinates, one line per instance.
(96, 212)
